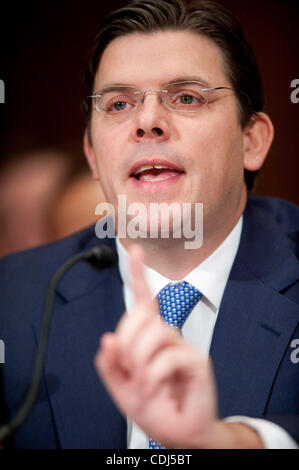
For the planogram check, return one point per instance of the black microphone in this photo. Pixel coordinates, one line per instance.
(100, 257)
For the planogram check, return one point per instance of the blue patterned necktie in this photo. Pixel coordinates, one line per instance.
(176, 302)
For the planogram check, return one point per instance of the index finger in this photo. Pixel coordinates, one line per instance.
(141, 290)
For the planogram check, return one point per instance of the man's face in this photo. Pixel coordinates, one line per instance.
(207, 146)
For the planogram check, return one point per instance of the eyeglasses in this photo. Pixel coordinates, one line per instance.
(121, 102)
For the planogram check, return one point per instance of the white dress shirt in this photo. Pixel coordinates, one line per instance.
(210, 278)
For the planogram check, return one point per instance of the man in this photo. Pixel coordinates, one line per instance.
(174, 110)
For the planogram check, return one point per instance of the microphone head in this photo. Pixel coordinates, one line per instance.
(102, 257)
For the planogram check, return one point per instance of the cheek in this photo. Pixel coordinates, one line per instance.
(108, 138)
(104, 144)
(224, 141)
(217, 152)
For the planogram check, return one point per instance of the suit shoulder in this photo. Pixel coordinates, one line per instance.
(281, 214)
(59, 249)
(284, 213)
(32, 269)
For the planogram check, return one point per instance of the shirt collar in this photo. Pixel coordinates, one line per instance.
(210, 277)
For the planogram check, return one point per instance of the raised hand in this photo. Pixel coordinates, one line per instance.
(155, 377)
(158, 379)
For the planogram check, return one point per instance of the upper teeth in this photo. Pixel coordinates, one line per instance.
(149, 167)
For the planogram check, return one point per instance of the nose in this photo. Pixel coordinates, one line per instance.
(152, 119)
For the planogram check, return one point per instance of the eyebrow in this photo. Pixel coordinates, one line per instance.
(114, 87)
(193, 78)
(121, 86)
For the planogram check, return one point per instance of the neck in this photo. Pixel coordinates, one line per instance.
(170, 257)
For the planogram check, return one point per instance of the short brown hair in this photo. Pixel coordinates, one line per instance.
(205, 17)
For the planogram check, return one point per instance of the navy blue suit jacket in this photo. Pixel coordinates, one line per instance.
(252, 350)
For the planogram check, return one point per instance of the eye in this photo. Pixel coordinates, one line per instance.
(119, 104)
(186, 98)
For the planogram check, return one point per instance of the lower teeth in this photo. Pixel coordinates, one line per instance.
(156, 179)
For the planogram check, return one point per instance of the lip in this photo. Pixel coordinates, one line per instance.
(163, 186)
(154, 161)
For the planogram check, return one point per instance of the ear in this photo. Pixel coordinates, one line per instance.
(258, 137)
(89, 153)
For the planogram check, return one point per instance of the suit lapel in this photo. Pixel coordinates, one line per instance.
(248, 345)
(84, 414)
(255, 322)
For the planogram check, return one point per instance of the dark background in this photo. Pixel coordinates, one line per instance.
(43, 53)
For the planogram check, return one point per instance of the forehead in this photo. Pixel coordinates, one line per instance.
(142, 59)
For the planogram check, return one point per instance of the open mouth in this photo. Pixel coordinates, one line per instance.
(155, 172)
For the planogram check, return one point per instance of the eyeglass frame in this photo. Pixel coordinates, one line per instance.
(158, 93)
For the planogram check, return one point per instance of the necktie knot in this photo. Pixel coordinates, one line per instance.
(176, 301)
